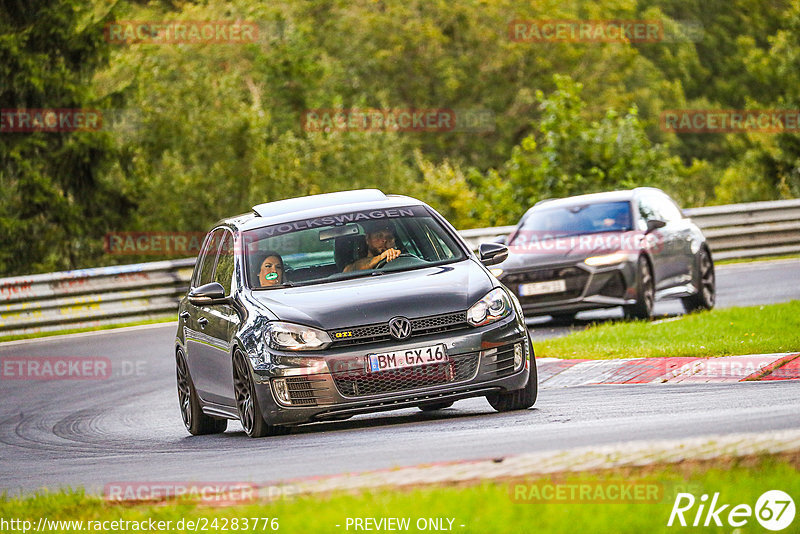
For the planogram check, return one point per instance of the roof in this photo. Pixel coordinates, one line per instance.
(311, 206)
(591, 198)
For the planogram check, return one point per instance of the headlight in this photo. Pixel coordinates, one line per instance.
(288, 336)
(497, 272)
(606, 259)
(494, 306)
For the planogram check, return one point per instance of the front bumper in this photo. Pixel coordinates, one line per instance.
(586, 287)
(335, 384)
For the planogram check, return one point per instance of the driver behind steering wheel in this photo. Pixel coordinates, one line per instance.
(379, 236)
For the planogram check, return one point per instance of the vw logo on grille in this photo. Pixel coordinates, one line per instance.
(400, 327)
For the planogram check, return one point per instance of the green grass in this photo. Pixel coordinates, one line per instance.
(725, 332)
(481, 508)
(760, 258)
(87, 329)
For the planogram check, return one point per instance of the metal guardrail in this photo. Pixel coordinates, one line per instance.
(92, 297)
(107, 295)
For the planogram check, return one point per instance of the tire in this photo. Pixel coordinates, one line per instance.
(195, 421)
(706, 294)
(520, 399)
(244, 391)
(645, 292)
(434, 407)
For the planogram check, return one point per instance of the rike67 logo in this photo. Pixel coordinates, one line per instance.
(774, 510)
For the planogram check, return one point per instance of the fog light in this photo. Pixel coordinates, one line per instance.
(518, 356)
(281, 390)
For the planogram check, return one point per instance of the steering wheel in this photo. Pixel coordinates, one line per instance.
(381, 264)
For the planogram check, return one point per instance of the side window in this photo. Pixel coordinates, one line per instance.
(224, 272)
(667, 208)
(204, 268)
(659, 207)
(646, 209)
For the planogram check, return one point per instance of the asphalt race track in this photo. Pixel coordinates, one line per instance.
(128, 428)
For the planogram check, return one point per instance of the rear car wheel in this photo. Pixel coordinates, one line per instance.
(521, 399)
(645, 292)
(250, 414)
(196, 422)
(436, 406)
(706, 285)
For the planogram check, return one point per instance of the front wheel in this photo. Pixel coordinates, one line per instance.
(250, 414)
(645, 292)
(196, 422)
(521, 399)
(706, 286)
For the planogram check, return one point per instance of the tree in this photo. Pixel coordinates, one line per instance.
(56, 202)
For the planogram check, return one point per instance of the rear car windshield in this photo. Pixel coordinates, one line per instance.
(320, 249)
(577, 220)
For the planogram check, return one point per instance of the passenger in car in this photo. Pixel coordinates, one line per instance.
(270, 272)
(380, 240)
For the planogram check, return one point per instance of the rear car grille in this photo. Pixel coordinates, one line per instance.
(380, 332)
(362, 383)
(574, 278)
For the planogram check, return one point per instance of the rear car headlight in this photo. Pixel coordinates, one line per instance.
(493, 307)
(606, 259)
(289, 336)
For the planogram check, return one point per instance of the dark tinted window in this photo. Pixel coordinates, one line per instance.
(204, 269)
(575, 220)
(224, 272)
(320, 249)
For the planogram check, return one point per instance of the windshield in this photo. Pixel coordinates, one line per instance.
(346, 245)
(565, 221)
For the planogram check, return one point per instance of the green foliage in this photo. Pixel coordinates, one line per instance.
(56, 197)
(196, 132)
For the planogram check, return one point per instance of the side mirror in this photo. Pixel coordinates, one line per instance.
(492, 253)
(212, 293)
(655, 224)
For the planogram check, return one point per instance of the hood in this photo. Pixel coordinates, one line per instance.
(572, 249)
(375, 299)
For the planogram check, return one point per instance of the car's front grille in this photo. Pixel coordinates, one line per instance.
(574, 278)
(362, 383)
(372, 333)
(614, 287)
(301, 391)
(498, 362)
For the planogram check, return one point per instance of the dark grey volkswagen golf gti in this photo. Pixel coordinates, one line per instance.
(323, 307)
